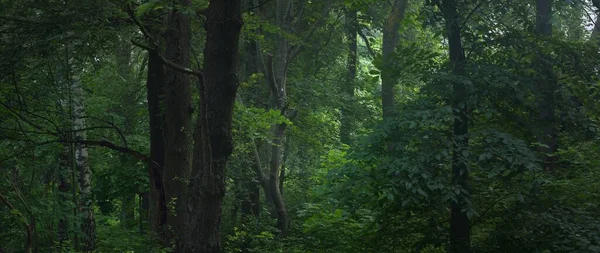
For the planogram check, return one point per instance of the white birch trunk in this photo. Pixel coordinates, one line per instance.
(84, 182)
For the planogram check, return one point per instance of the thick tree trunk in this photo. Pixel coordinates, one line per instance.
(155, 85)
(86, 208)
(217, 92)
(177, 126)
(460, 230)
(282, 216)
(390, 40)
(348, 88)
(388, 78)
(546, 86)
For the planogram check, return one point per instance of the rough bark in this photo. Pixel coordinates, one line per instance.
(218, 90)
(390, 40)
(86, 208)
(155, 85)
(177, 125)
(348, 88)
(546, 86)
(460, 231)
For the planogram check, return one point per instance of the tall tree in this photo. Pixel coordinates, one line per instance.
(218, 89)
(546, 86)
(155, 86)
(64, 188)
(349, 86)
(178, 130)
(123, 57)
(390, 40)
(460, 228)
(251, 183)
(287, 12)
(84, 182)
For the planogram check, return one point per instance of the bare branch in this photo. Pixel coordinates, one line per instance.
(364, 37)
(154, 47)
(143, 29)
(170, 64)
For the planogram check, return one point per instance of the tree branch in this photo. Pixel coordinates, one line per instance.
(170, 64)
(154, 47)
(271, 76)
(109, 145)
(364, 37)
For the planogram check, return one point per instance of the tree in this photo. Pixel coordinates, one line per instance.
(218, 89)
(390, 39)
(178, 129)
(460, 228)
(349, 86)
(547, 87)
(84, 181)
(155, 86)
(596, 31)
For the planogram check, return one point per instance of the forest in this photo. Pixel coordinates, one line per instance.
(339, 126)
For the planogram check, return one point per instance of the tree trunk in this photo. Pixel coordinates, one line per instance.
(143, 211)
(348, 88)
(86, 208)
(64, 188)
(460, 231)
(277, 82)
(250, 206)
(282, 172)
(217, 93)
(546, 86)
(390, 40)
(388, 78)
(123, 57)
(596, 31)
(177, 126)
(282, 217)
(127, 217)
(155, 85)
(262, 178)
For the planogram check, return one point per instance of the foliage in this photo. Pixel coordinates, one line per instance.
(388, 189)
